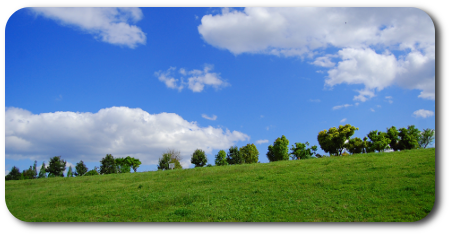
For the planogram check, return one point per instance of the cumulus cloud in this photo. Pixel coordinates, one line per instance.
(111, 25)
(213, 117)
(195, 80)
(120, 131)
(262, 141)
(342, 106)
(343, 120)
(366, 57)
(422, 113)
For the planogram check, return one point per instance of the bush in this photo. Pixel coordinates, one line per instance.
(92, 172)
(299, 151)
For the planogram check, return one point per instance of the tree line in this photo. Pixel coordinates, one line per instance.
(57, 166)
(334, 141)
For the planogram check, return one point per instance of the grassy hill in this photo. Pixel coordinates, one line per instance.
(397, 186)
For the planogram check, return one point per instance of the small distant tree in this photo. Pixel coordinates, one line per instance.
(199, 158)
(279, 150)
(300, 151)
(35, 170)
(69, 172)
(56, 167)
(221, 158)
(234, 156)
(409, 138)
(92, 172)
(392, 134)
(249, 153)
(378, 141)
(355, 145)
(426, 137)
(333, 140)
(14, 174)
(108, 165)
(27, 174)
(123, 165)
(42, 173)
(170, 156)
(135, 163)
(81, 169)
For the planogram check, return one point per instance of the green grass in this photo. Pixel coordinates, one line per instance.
(397, 186)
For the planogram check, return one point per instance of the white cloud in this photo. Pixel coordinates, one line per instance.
(196, 81)
(214, 117)
(423, 113)
(120, 131)
(111, 25)
(371, 109)
(363, 58)
(262, 141)
(343, 120)
(378, 106)
(389, 99)
(324, 61)
(342, 106)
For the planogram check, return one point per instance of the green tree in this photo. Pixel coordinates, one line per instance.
(42, 173)
(81, 169)
(123, 165)
(27, 174)
(69, 172)
(279, 150)
(426, 137)
(199, 158)
(221, 158)
(299, 151)
(333, 140)
(234, 156)
(249, 153)
(108, 165)
(35, 170)
(392, 134)
(14, 174)
(92, 172)
(170, 156)
(409, 138)
(378, 141)
(56, 167)
(135, 163)
(356, 145)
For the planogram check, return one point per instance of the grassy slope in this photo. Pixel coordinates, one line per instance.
(396, 186)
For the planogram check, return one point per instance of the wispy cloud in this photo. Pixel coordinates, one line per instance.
(371, 109)
(422, 113)
(343, 120)
(262, 141)
(213, 117)
(389, 99)
(342, 106)
(107, 24)
(195, 80)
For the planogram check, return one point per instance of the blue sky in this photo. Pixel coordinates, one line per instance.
(83, 83)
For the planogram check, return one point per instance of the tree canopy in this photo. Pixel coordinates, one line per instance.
(409, 137)
(221, 158)
(333, 140)
(300, 151)
(249, 153)
(81, 169)
(199, 158)
(378, 141)
(279, 150)
(234, 156)
(56, 167)
(108, 165)
(170, 156)
(426, 137)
